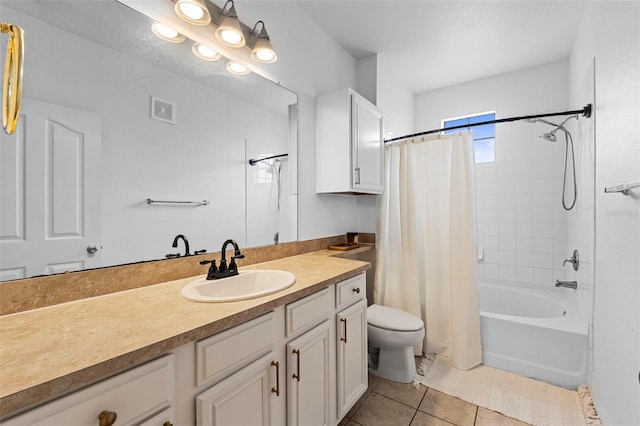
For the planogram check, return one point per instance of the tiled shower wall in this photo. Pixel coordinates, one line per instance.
(521, 222)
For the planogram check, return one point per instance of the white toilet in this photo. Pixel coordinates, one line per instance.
(392, 335)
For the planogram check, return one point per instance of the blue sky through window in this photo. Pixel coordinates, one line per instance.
(483, 136)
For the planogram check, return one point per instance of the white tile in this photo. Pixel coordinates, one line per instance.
(542, 276)
(491, 271)
(524, 229)
(542, 215)
(507, 272)
(559, 246)
(491, 229)
(491, 187)
(507, 229)
(507, 243)
(524, 258)
(507, 257)
(491, 242)
(491, 215)
(507, 201)
(507, 215)
(524, 199)
(491, 256)
(559, 230)
(491, 201)
(524, 274)
(524, 244)
(542, 260)
(543, 245)
(524, 214)
(507, 187)
(543, 230)
(543, 199)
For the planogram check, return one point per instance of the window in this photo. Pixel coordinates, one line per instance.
(483, 136)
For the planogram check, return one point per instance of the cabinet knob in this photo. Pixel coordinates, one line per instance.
(107, 418)
(167, 424)
(356, 290)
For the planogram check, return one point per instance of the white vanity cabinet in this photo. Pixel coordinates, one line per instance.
(308, 378)
(140, 396)
(349, 144)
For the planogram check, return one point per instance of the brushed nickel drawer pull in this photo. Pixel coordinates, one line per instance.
(297, 374)
(276, 390)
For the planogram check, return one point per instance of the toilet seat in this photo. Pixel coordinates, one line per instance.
(392, 319)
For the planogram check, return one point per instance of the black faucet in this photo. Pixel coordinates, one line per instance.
(186, 243)
(224, 271)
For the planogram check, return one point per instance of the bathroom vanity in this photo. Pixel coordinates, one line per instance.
(150, 357)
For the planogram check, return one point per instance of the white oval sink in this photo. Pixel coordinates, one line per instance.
(247, 284)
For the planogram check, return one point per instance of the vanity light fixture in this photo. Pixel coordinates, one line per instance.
(237, 69)
(166, 33)
(262, 50)
(193, 11)
(229, 31)
(205, 52)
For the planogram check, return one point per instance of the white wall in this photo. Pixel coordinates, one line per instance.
(521, 222)
(609, 32)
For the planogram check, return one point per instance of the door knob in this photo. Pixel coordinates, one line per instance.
(92, 249)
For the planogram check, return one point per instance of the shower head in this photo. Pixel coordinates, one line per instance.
(551, 136)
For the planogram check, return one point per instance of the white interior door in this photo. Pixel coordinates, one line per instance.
(50, 198)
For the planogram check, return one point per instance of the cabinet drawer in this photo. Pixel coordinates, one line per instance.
(350, 290)
(307, 312)
(133, 395)
(222, 354)
(163, 418)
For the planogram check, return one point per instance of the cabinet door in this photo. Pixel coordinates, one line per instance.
(244, 398)
(351, 335)
(367, 145)
(308, 378)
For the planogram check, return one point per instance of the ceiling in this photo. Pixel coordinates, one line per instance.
(433, 44)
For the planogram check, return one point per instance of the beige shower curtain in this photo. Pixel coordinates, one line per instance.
(426, 261)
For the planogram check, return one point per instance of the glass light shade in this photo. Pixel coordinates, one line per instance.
(167, 33)
(193, 11)
(237, 69)
(230, 33)
(263, 52)
(205, 53)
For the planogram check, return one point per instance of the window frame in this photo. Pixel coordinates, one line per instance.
(469, 117)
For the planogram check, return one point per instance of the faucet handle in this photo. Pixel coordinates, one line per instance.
(213, 269)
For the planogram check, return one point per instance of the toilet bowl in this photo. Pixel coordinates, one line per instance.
(392, 333)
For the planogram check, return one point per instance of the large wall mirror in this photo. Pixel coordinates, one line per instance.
(112, 117)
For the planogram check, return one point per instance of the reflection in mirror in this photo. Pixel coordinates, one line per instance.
(114, 116)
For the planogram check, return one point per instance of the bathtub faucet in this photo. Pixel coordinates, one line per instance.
(567, 284)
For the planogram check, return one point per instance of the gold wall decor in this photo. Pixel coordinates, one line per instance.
(12, 85)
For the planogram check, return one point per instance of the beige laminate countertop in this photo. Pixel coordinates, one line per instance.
(51, 351)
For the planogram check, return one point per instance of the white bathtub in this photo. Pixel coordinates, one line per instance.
(532, 331)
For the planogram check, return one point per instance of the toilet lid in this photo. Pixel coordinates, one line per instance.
(392, 319)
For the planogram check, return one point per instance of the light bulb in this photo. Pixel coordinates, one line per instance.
(166, 33)
(237, 69)
(205, 53)
(193, 11)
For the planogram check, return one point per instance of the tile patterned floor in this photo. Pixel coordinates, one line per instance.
(387, 403)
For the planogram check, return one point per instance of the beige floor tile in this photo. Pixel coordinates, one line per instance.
(491, 418)
(373, 380)
(378, 410)
(445, 407)
(406, 393)
(424, 419)
(357, 404)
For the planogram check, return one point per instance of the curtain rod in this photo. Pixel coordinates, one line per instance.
(253, 161)
(586, 112)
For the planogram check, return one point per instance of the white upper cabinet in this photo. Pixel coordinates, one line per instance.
(349, 144)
